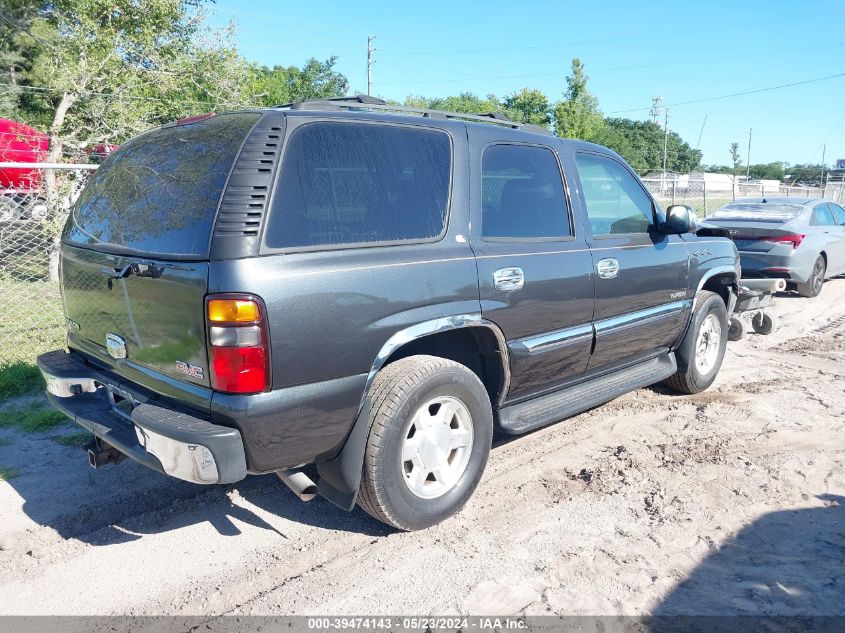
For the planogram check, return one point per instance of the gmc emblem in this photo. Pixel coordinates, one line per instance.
(189, 370)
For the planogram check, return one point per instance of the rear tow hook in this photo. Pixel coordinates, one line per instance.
(100, 453)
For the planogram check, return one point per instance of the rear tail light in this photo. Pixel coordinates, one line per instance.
(793, 239)
(238, 343)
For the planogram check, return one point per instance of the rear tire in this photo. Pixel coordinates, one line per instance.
(813, 286)
(431, 427)
(701, 352)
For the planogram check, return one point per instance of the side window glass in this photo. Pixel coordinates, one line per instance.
(838, 214)
(522, 194)
(355, 183)
(822, 216)
(616, 202)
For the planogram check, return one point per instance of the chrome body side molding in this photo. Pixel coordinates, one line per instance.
(551, 340)
(641, 316)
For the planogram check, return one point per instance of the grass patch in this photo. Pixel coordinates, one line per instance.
(23, 336)
(77, 439)
(8, 473)
(35, 420)
(18, 378)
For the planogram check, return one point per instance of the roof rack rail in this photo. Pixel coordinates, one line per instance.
(365, 102)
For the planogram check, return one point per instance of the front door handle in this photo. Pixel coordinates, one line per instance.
(607, 268)
(507, 279)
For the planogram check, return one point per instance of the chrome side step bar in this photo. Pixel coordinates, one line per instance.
(538, 412)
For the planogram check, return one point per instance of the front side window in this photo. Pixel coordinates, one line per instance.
(616, 202)
(822, 216)
(522, 194)
(838, 214)
(356, 183)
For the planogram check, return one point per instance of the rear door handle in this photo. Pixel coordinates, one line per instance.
(507, 279)
(607, 268)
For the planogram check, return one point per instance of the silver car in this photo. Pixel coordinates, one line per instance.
(798, 239)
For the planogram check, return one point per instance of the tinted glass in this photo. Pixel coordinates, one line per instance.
(822, 216)
(522, 193)
(158, 193)
(838, 214)
(616, 202)
(349, 183)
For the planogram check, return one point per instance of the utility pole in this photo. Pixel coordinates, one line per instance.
(656, 104)
(665, 142)
(748, 158)
(370, 62)
(824, 151)
(701, 133)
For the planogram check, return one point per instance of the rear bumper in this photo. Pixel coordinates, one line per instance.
(793, 268)
(163, 439)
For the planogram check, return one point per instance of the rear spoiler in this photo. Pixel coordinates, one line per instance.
(711, 230)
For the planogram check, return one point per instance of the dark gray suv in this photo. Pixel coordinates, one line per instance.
(370, 290)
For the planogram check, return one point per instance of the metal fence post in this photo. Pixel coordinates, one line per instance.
(704, 195)
(673, 191)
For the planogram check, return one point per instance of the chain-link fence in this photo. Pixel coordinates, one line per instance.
(31, 319)
(706, 197)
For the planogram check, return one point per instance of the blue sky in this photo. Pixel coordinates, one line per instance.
(632, 50)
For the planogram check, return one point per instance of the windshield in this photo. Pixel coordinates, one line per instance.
(158, 194)
(758, 211)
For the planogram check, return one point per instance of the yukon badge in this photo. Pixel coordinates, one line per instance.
(115, 345)
(189, 370)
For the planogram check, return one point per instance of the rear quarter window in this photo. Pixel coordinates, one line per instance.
(360, 184)
(158, 194)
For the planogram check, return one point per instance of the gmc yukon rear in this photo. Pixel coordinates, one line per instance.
(333, 283)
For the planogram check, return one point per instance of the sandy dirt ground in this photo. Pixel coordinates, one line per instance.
(728, 502)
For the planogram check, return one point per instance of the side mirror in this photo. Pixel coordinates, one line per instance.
(679, 219)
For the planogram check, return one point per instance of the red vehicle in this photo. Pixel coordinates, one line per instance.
(20, 143)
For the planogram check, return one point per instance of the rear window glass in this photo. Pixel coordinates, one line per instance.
(350, 183)
(757, 211)
(158, 193)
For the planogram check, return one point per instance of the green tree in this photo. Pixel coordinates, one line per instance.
(641, 144)
(804, 173)
(100, 71)
(736, 159)
(465, 102)
(287, 84)
(529, 106)
(15, 43)
(718, 169)
(768, 171)
(578, 115)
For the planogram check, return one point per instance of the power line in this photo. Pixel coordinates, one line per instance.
(738, 94)
(618, 68)
(755, 24)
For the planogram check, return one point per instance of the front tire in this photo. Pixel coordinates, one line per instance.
(701, 352)
(813, 286)
(431, 427)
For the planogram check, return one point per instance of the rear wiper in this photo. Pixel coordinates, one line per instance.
(140, 269)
